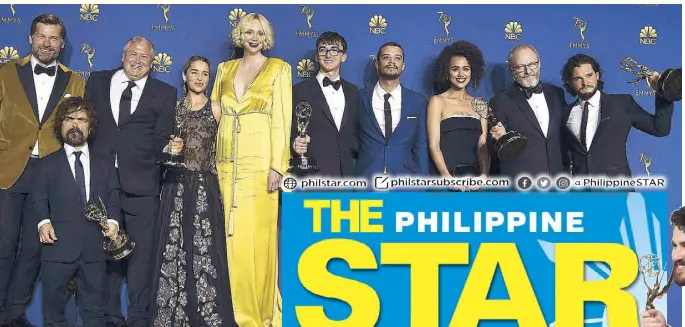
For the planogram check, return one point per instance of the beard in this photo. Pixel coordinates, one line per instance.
(528, 81)
(587, 92)
(46, 58)
(75, 137)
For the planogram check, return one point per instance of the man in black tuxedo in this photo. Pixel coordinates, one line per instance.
(136, 113)
(597, 123)
(333, 137)
(72, 246)
(535, 110)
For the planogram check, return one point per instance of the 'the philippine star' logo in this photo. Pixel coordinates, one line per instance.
(378, 25)
(162, 63)
(11, 19)
(235, 16)
(581, 25)
(89, 13)
(166, 26)
(309, 13)
(513, 31)
(648, 35)
(8, 54)
(445, 20)
(305, 68)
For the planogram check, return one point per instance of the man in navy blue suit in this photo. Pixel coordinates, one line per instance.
(72, 246)
(392, 123)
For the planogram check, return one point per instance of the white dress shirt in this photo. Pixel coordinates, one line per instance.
(118, 85)
(378, 105)
(576, 117)
(334, 98)
(43, 84)
(85, 161)
(539, 105)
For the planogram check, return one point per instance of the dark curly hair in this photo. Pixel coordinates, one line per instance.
(464, 49)
(678, 219)
(70, 106)
(577, 61)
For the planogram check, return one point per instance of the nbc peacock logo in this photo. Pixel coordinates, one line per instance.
(513, 31)
(235, 16)
(11, 19)
(378, 25)
(89, 13)
(8, 54)
(648, 35)
(162, 63)
(166, 26)
(305, 68)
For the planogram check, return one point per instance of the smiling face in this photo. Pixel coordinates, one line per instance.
(46, 43)
(197, 76)
(525, 67)
(254, 37)
(390, 63)
(137, 60)
(330, 57)
(459, 72)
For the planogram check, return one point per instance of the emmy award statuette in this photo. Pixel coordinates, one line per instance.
(669, 84)
(511, 143)
(651, 267)
(117, 247)
(168, 158)
(303, 164)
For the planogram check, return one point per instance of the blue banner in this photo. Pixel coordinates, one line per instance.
(444, 259)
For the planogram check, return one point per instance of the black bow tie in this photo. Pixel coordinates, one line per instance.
(528, 91)
(327, 81)
(42, 70)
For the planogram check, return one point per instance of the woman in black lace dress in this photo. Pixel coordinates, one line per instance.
(191, 284)
(457, 129)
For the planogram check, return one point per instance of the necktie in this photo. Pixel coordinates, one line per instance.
(388, 116)
(327, 81)
(528, 91)
(583, 124)
(80, 177)
(50, 71)
(125, 103)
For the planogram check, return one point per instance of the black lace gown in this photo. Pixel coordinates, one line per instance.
(191, 286)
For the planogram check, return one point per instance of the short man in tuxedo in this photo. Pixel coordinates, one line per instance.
(535, 110)
(333, 138)
(30, 89)
(136, 120)
(654, 317)
(72, 246)
(597, 123)
(392, 122)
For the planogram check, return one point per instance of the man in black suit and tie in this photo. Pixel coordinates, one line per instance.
(136, 123)
(30, 89)
(333, 137)
(535, 110)
(598, 124)
(72, 246)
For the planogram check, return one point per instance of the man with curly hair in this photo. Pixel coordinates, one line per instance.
(598, 123)
(535, 110)
(654, 317)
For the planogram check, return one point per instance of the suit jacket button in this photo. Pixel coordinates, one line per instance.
(118, 129)
(337, 154)
(589, 156)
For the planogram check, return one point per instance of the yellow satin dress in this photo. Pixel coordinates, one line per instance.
(253, 138)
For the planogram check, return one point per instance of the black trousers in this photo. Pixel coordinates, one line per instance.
(140, 218)
(90, 287)
(19, 246)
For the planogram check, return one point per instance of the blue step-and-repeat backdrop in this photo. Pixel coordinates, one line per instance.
(651, 34)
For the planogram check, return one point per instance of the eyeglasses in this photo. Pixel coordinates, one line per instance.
(530, 66)
(333, 51)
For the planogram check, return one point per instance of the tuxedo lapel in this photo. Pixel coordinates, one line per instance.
(106, 96)
(405, 107)
(320, 99)
(26, 77)
(367, 95)
(61, 81)
(604, 117)
(553, 111)
(348, 92)
(524, 106)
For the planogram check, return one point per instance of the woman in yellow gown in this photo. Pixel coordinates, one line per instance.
(252, 153)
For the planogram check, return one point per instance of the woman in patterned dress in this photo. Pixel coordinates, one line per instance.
(253, 149)
(191, 285)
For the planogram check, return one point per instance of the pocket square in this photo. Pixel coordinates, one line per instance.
(411, 117)
(68, 95)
